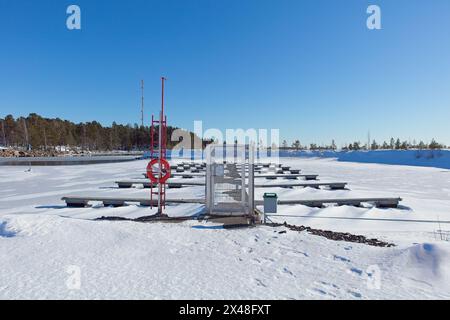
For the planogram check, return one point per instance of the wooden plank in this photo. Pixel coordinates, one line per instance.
(331, 185)
(173, 184)
(113, 202)
(186, 175)
(148, 184)
(267, 176)
(379, 202)
(82, 201)
(287, 176)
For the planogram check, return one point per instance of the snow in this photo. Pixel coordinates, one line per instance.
(423, 158)
(41, 240)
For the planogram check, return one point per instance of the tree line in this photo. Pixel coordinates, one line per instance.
(393, 144)
(37, 132)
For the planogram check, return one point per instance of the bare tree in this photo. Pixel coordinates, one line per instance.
(25, 130)
(3, 131)
(45, 139)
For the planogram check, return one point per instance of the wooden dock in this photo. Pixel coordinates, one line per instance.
(316, 185)
(148, 184)
(266, 176)
(81, 201)
(172, 184)
(319, 203)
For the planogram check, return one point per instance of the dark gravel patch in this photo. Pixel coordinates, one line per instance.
(336, 236)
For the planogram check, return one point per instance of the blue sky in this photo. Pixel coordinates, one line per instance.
(308, 67)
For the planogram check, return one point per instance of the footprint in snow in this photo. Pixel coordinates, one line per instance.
(357, 271)
(355, 294)
(268, 259)
(302, 253)
(329, 284)
(327, 288)
(256, 260)
(322, 292)
(343, 259)
(247, 250)
(286, 270)
(260, 283)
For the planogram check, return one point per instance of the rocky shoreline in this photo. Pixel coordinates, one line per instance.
(11, 153)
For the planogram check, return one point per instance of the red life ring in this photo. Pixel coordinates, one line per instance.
(153, 170)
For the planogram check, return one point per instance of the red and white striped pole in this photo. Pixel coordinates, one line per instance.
(160, 143)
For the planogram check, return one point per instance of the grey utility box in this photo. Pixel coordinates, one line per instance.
(270, 202)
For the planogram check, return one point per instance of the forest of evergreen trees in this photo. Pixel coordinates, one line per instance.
(393, 144)
(41, 133)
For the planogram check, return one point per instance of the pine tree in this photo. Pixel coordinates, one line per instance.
(46, 134)
(374, 145)
(434, 145)
(392, 144)
(296, 145)
(333, 145)
(404, 145)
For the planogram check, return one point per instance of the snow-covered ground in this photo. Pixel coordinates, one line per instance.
(44, 246)
(422, 158)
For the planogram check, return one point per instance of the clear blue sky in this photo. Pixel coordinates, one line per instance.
(308, 67)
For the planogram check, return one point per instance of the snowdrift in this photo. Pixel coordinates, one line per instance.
(425, 263)
(4, 231)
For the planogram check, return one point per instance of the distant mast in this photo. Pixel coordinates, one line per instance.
(142, 103)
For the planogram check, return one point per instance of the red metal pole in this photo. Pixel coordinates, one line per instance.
(161, 190)
(162, 97)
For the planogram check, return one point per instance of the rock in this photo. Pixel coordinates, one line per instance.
(336, 236)
(9, 153)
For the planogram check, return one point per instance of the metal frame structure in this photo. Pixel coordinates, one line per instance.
(230, 180)
(158, 150)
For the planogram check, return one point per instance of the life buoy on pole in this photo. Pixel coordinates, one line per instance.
(153, 170)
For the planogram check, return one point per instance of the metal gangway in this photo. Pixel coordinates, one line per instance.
(229, 190)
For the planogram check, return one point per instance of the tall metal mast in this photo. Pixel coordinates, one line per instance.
(142, 103)
(158, 150)
(160, 144)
